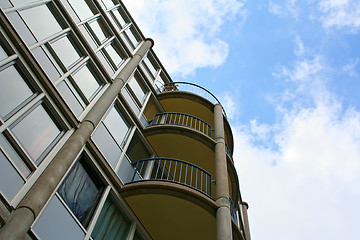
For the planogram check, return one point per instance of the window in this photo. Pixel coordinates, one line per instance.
(111, 224)
(37, 132)
(13, 91)
(111, 135)
(81, 9)
(76, 198)
(86, 81)
(65, 50)
(81, 192)
(3, 54)
(35, 20)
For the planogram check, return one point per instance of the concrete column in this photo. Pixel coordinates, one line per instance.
(35, 199)
(245, 207)
(223, 214)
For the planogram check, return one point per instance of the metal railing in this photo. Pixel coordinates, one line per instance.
(182, 119)
(233, 211)
(173, 170)
(192, 88)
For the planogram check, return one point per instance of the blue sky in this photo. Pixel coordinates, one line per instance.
(288, 75)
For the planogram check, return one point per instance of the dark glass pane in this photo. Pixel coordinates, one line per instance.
(69, 98)
(36, 132)
(81, 8)
(10, 180)
(118, 127)
(14, 157)
(125, 170)
(137, 150)
(137, 236)
(111, 224)
(56, 223)
(41, 21)
(13, 90)
(80, 193)
(65, 50)
(86, 81)
(106, 145)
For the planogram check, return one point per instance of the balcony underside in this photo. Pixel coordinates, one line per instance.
(172, 211)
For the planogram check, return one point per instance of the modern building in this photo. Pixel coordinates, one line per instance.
(97, 141)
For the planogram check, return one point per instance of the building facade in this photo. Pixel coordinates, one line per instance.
(97, 141)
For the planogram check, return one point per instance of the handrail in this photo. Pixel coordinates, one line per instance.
(173, 170)
(233, 211)
(174, 86)
(182, 119)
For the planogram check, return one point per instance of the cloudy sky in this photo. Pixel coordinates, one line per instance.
(288, 75)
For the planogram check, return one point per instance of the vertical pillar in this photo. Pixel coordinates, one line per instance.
(223, 214)
(245, 207)
(35, 199)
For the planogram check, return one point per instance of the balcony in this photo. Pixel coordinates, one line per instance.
(175, 171)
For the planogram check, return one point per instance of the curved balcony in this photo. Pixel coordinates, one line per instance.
(173, 170)
(192, 88)
(182, 119)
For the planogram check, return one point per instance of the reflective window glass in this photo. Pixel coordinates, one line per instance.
(114, 55)
(80, 192)
(56, 223)
(14, 157)
(137, 89)
(99, 30)
(106, 144)
(86, 81)
(132, 38)
(137, 236)
(41, 21)
(81, 8)
(150, 66)
(119, 18)
(118, 127)
(36, 132)
(65, 50)
(130, 101)
(3, 54)
(111, 224)
(126, 170)
(13, 90)
(46, 64)
(108, 3)
(10, 180)
(68, 95)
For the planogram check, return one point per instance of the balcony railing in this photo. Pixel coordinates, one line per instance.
(173, 170)
(183, 120)
(192, 88)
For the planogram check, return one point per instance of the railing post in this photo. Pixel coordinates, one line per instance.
(35, 199)
(223, 212)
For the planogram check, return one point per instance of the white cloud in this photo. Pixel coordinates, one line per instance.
(350, 67)
(188, 31)
(340, 14)
(306, 186)
(285, 9)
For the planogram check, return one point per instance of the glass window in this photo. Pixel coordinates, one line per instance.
(10, 180)
(138, 90)
(13, 90)
(65, 50)
(41, 21)
(14, 157)
(137, 236)
(126, 170)
(134, 106)
(111, 224)
(46, 64)
(119, 18)
(150, 66)
(108, 3)
(86, 81)
(80, 192)
(131, 36)
(106, 144)
(114, 55)
(99, 30)
(68, 95)
(36, 132)
(117, 126)
(81, 9)
(56, 223)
